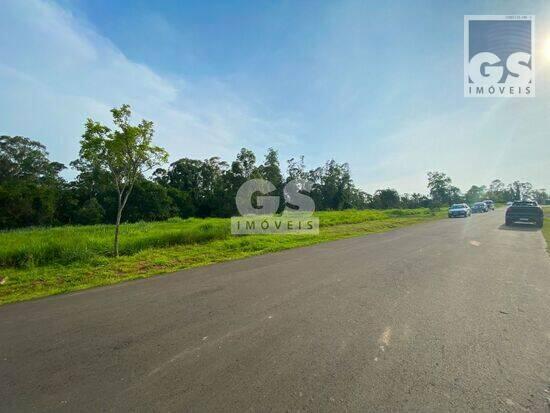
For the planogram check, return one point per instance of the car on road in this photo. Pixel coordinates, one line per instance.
(480, 207)
(525, 211)
(509, 203)
(459, 210)
(490, 204)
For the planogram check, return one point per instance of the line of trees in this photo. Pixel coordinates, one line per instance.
(112, 183)
(443, 192)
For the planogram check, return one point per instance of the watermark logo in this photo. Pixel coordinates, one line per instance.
(258, 209)
(499, 56)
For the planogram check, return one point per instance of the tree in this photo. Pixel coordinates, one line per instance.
(332, 186)
(23, 158)
(296, 169)
(242, 169)
(497, 186)
(455, 196)
(182, 202)
(359, 199)
(271, 171)
(90, 213)
(29, 183)
(415, 200)
(439, 185)
(125, 153)
(475, 194)
(540, 195)
(185, 175)
(520, 190)
(150, 201)
(386, 198)
(202, 181)
(498, 192)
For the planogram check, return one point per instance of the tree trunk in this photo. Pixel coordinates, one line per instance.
(117, 225)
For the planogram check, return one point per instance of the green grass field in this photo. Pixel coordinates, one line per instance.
(44, 261)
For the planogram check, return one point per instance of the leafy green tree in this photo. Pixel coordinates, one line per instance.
(415, 200)
(244, 167)
(24, 159)
(540, 195)
(455, 196)
(216, 199)
(24, 203)
(90, 213)
(439, 185)
(475, 194)
(358, 199)
(271, 168)
(241, 170)
(332, 186)
(182, 202)
(498, 192)
(185, 174)
(386, 198)
(203, 181)
(296, 169)
(90, 198)
(125, 153)
(150, 201)
(29, 183)
(520, 190)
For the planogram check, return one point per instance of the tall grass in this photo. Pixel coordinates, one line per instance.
(69, 244)
(64, 245)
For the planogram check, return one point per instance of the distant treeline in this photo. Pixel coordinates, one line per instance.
(32, 192)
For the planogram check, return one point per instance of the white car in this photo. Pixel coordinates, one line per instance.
(459, 210)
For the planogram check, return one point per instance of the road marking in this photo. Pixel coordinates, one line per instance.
(475, 243)
(385, 338)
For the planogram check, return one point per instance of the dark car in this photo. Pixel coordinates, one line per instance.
(525, 211)
(490, 204)
(480, 207)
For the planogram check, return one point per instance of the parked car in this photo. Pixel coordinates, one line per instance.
(509, 203)
(480, 207)
(490, 204)
(525, 211)
(459, 210)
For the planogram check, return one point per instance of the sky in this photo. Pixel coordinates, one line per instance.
(378, 85)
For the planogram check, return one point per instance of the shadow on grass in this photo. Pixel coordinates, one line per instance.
(520, 227)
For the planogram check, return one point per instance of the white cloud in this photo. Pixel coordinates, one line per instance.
(501, 138)
(56, 71)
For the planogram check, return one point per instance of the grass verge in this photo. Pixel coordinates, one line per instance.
(46, 261)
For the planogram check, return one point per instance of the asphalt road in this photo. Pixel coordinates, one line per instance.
(448, 315)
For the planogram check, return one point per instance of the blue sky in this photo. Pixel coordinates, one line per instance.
(376, 85)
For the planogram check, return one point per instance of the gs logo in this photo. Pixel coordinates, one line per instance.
(498, 56)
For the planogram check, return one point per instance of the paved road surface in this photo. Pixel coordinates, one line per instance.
(448, 315)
